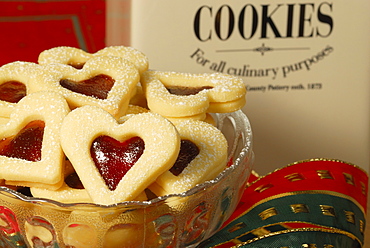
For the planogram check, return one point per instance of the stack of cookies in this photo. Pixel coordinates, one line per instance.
(103, 128)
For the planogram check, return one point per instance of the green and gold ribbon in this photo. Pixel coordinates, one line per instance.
(310, 203)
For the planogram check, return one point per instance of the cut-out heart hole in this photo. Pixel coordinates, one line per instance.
(97, 86)
(188, 151)
(114, 159)
(186, 91)
(12, 91)
(26, 144)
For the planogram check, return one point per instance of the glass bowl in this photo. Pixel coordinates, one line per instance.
(178, 220)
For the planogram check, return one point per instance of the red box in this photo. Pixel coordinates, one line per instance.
(29, 27)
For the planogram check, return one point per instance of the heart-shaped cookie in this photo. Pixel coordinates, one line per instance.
(131, 54)
(174, 94)
(30, 151)
(16, 79)
(202, 156)
(77, 57)
(104, 81)
(116, 162)
(71, 191)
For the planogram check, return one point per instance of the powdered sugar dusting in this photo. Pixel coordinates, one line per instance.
(123, 72)
(222, 89)
(92, 117)
(51, 108)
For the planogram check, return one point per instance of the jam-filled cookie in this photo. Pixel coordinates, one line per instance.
(30, 151)
(104, 81)
(16, 79)
(77, 57)
(71, 191)
(174, 94)
(117, 162)
(202, 156)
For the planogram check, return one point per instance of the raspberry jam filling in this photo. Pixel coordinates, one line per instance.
(188, 151)
(73, 181)
(186, 91)
(26, 144)
(77, 65)
(97, 86)
(114, 159)
(12, 91)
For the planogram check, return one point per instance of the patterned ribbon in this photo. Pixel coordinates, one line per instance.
(312, 203)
